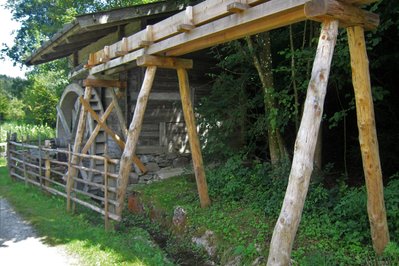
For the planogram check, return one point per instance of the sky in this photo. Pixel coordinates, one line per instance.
(6, 36)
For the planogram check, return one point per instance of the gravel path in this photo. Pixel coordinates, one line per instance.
(20, 245)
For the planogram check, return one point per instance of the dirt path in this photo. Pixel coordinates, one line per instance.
(20, 245)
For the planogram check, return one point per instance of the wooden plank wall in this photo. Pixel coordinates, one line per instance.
(164, 125)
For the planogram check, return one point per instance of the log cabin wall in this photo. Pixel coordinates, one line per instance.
(164, 130)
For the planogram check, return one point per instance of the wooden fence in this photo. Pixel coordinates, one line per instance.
(48, 169)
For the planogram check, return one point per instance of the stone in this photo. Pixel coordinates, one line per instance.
(180, 162)
(206, 241)
(259, 261)
(146, 177)
(168, 172)
(147, 158)
(133, 203)
(179, 219)
(171, 156)
(152, 167)
(133, 178)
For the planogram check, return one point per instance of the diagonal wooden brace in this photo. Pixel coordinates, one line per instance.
(111, 133)
(97, 129)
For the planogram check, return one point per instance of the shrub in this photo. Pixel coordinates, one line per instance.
(26, 131)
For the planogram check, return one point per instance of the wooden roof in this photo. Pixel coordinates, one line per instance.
(89, 28)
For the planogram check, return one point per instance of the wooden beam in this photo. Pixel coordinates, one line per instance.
(110, 132)
(119, 113)
(237, 7)
(78, 139)
(267, 16)
(195, 146)
(346, 14)
(124, 47)
(100, 83)
(368, 139)
(169, 27)
(133, 136)
(185, 27)
(96, 130)
(164, 62)
(305, 145)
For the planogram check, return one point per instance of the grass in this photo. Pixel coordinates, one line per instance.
(76, 233)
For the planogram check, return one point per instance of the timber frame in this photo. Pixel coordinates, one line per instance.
(194, 29)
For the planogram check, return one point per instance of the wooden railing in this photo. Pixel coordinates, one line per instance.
(49, 169)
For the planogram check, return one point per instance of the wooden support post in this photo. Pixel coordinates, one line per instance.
(24, 163)
(106, 203)
(47, 165)
(195, 146)
(40, 162)
(133, 136)
(78, 140)
(368, 138)
(305, 145)
(10, 149)
(8, 152)
(69, 176)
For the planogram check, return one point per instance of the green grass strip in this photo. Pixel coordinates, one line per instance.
(75, 233)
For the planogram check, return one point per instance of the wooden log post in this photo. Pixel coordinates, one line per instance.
(305, 145)
(368, 138)
(24, 163)
(10, 150)
(106, 188)
(72, 172)
(40, 161)
(47, 166)
(69, 176)
(195, 146)
(132, 137)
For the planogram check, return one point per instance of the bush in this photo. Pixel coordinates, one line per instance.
(26, 131)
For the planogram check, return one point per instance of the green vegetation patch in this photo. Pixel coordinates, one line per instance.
(79, 236)
(245, 205)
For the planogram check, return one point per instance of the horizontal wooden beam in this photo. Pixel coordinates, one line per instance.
(213, 24)
(100, 83)
(164, 62)
(267, 16)
(171, 26)
(346, 14)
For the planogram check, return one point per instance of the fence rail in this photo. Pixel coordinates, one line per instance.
(94, 187)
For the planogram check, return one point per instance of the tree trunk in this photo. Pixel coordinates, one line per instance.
(263, 64)
(305, 145)
(368, 139)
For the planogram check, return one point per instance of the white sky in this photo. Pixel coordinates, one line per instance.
(7, 26)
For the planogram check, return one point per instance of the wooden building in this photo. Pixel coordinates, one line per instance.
(163, 133)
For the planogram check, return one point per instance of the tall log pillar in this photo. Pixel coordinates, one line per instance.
(195, 147)
(133, 136)
(78, 143)
(305, 145)
(368, 138)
